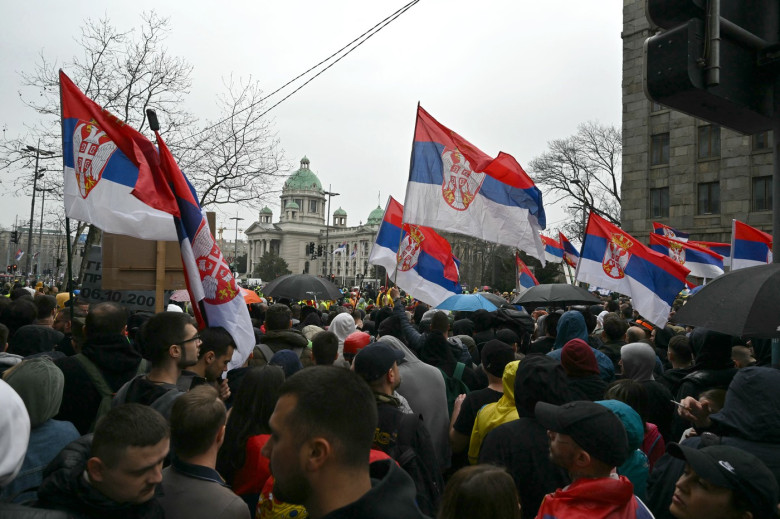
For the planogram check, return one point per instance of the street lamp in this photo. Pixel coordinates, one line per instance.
(235, 243)
(38, 152)
(327, 230)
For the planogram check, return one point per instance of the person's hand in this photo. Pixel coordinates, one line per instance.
(224, 390)
(456, 407)
(395, 293)
(698, 413)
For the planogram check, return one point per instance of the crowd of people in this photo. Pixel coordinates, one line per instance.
(381, 407)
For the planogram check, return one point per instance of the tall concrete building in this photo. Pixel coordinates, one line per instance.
(304, 208)
(681, 171)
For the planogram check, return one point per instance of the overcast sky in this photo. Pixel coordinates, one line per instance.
(508, 75)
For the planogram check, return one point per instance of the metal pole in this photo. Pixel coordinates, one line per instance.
(235, 244)
(40, 231)
(28, 263)
(775, 219)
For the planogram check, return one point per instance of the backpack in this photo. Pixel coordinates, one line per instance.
(428, 481)
(268, 353)
(454, 385)
(106, 395)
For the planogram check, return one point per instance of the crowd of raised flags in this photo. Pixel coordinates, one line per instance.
(119, 180)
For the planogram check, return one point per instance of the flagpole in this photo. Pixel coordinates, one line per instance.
(403, 220)
(159, 278)
(733, 230)
(69, 284)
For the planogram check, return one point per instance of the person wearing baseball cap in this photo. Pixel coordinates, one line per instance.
(398, 433)
(589, 441)
(723, 482)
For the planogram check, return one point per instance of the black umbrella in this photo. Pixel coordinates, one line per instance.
(494, 298)
(301, 286)
(557, 294)
(743, 303)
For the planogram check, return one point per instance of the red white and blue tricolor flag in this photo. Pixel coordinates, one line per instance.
(669, 232)
(427, 270)
(570, 254)
(453, 186)
(159, 185)
(613, 259)
(104, 161)
(553, 252)
(749, 246)
(525, 278)
(19, 255)
(214, 293)
(700, 261)
(722, 249)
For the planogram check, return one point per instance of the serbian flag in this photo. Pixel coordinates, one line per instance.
(18, 255)
(525, 278)
(553, 252)
(570, 254)
(216, 298)
(613, 259)
(669, 232)
(104, 162)
(427, 270)
(749, 246)
(700, 261)
(455, 187)
(722, 249)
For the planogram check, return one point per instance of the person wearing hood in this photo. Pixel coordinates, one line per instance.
(522, 445)
(36, 339)
(712, 368)
(635, 468)
(342, 326)
(424, 389)
(493, 415)
(749, 421)
(279, 335)
(108, 348)
(582, 371)
(39, 383)
(638, 361)
(572, 326)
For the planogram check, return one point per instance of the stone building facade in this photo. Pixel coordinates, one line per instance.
(304, 205)
(681, 171)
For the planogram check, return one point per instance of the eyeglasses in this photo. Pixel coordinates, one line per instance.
(195, 338)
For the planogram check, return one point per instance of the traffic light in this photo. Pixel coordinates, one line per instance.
(719, 67)
(14, 267)
(311, 248)
(14, 236)
(319, 250)
(8, 268)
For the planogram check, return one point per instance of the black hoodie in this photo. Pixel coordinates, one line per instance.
(117, 361)
(391, 496)
(522, 445)
(65, 487)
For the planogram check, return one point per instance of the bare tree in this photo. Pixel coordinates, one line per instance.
(585, 171)
(235, 161)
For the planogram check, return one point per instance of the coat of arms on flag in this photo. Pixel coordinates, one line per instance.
(92, 149)
(409, 251)
(616, 256)
(461, 183)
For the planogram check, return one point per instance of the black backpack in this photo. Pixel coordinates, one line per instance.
(454, 385)
(427, 479)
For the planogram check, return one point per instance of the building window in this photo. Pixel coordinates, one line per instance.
(659, 149)
(659, 202)
(709, 198)
(709, 142)
(762, 194)
(762, 141)
(299, 202)
(312, 206)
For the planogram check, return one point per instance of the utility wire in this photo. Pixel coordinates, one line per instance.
(360, 41)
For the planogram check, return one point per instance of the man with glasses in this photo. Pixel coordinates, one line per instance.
(172, 343)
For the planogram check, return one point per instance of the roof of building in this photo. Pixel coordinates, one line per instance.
(266, 210)
(339, 212)
(291, 205)
(303, 179)
(375, 217)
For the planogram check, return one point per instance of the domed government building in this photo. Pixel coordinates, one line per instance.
(301, 237)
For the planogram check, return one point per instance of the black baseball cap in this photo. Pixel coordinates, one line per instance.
(596, 429)
(496, 355)
(375, 360)
(738, 470)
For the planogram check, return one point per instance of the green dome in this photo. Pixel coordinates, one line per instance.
(304, 179)
(266, 210)
(291, 205)
(339, 212)
(375, 217)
